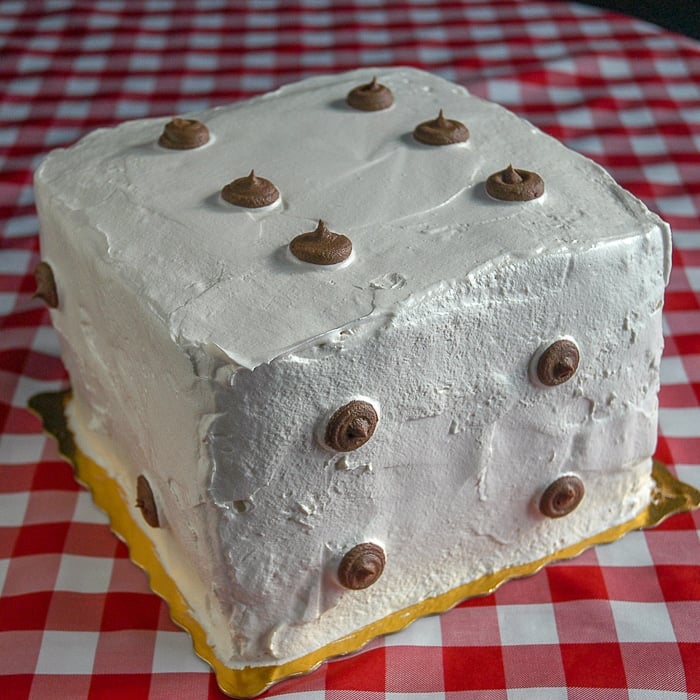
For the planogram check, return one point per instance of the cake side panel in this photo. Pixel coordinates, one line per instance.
(139, 407)
(449, 484)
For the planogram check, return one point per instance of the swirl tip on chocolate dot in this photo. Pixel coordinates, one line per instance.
(441, 131)
(251, 192)
(511, 176)
(370, 97)
(515, 185)
(183, 134)
(321, 246)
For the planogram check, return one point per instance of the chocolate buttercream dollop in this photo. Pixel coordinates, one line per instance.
(441, 131)
(321, 246)
(351, 426)
(515, 185)
(45, 285)
(182, 134)
(562, 496)
(370, 97)
(146, 502)
(251, 192)
(361, 566)
(558, 363)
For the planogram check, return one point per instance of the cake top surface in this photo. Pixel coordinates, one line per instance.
(418, 216)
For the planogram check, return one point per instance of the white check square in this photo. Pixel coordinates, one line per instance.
(642, 622)
(682, 205)
(672, 370)
(46, 341)
(7, 302)
(28, 387)
(689, 474)
(537, 694)
(173, 654)
(630, 551)
(84, 574)
(527, 624)
(693, 275)
(13, 506)
(13, 262)
(615, 68)
(67, 652)
(579, 117)
(18, 226)
(679, 422)
(666, 173)
(21, 449)
(4, 566)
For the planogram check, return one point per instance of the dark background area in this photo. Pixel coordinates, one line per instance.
(681, 16)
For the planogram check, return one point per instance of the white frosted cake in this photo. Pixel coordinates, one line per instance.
(438, 384)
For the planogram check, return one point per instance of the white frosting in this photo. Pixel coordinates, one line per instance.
(203, 357)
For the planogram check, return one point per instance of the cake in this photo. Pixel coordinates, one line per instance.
(350, 345)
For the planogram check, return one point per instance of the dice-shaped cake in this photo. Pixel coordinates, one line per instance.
(352, 344)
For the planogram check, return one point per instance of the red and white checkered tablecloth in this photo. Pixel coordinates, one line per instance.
(77, 619)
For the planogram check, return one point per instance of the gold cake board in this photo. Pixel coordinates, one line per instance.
(670, 496)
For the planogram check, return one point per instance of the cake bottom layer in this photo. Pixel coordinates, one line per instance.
(669, 496)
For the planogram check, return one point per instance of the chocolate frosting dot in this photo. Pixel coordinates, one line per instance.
(183, 134)
(146, 502)
(562, 496)
(558, 363)
(321, 246)
(370, 97)
(351, 426)
(361, 566)
(45, 285)
(515, 185)
(441, 131)
(251, 192)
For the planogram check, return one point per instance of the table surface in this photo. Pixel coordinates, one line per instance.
(77, 619)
